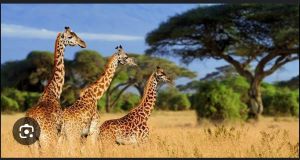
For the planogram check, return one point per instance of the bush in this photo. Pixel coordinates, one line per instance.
(8, 104)
(216, 101)
(31, 99)
(172, 99)
(128, 101)
(239, 85)
(24, 99)
(125, 102)
(280, 101)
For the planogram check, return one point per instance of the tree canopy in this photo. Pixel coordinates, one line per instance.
(264, 35)
(28, 74)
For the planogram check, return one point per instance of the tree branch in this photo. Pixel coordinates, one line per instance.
(117, 86)
(283, 53)
(119, 95)
(279, 63)
(238, 66)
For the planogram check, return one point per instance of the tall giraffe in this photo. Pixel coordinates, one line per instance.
(82, 119)
(132, 128)
(47, 111)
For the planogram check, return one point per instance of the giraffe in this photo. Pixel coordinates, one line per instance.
(47, 111)
(82, 118)
(132, 128)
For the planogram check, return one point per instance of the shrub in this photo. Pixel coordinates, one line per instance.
(24, 99)
(216, 101)
(31, 99)
(128, 101)
(172, 99)
(8, 104)
(239, 85)
(16, 95)
(281, 101)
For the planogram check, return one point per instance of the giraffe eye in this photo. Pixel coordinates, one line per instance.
(70, 37)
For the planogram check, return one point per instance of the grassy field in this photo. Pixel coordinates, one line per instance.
(176, 134)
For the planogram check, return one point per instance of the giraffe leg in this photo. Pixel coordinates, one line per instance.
(94, 129)
(35, 149)
(61, 141)
(45, 145)
(73, 139)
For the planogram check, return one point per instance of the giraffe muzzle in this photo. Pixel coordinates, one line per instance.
(82, 44)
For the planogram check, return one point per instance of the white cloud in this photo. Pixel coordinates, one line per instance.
(19, 31)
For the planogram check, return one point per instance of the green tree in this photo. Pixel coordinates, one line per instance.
(172, 99)
(29, 74)
(238, 34)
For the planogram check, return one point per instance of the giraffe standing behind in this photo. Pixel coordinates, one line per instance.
(132, 128)
(82, 119)
(47, 111)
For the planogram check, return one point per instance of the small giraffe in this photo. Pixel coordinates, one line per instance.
(47, 111)
(82, 119)
(132, 128)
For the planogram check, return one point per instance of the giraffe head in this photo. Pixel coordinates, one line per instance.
(123, 57)
(161, 76)
(71, 39)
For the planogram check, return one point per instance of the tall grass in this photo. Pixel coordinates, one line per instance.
(176, 134)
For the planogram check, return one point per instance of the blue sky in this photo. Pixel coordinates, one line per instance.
(27, 27)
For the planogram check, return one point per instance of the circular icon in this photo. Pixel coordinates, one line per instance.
(26, 130)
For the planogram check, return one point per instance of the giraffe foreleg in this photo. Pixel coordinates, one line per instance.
(94, 128)
(35, 149)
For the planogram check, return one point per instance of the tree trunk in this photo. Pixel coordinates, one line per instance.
(255, 104)
(118, 96)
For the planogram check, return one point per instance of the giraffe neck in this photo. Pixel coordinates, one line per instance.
(96, 90)
(148, 101)
(55, 84)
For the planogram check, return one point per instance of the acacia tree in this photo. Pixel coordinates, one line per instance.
(265, 36)
(137, 77)
(29, 74)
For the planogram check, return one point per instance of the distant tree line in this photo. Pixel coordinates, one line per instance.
(219, 95)
(22, 81)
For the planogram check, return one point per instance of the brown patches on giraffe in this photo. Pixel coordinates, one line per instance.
(47, 112)
(132, 128)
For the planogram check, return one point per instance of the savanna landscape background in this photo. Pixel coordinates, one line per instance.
(235, 68)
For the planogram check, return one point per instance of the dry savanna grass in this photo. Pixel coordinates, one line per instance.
(176, 134)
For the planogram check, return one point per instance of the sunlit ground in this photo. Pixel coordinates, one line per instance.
(176, 134)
